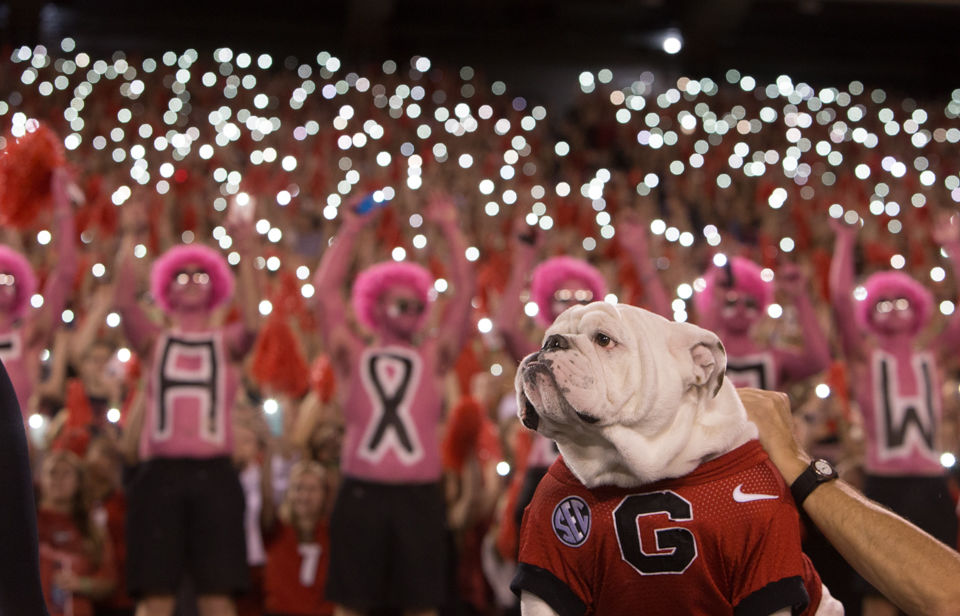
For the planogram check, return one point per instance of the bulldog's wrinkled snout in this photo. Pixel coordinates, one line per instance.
(556, 342)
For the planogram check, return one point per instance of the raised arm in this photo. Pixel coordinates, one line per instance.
(139, 329)
(814, 356)
(841, 290)
(248, 297)
(947, 234)
(506, 322)
(911, 568)
(60, 280)
(632, 236)
(330, 280)
(454, 327)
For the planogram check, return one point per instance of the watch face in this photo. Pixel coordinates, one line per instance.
(823, 468)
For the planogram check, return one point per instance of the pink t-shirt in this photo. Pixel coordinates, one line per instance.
(758, 370)
(191, 389)
(901, 418)
(392, 410)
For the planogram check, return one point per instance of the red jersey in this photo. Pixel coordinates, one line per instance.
(296, 573)
(723, 539)
(63, 547)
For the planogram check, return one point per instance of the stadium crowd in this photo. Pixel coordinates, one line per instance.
(188, 353)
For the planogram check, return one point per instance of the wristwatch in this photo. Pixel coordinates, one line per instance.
(819, 471)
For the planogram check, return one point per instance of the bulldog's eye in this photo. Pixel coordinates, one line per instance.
(602, 339)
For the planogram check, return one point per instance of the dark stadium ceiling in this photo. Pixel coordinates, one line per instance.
(906, 45)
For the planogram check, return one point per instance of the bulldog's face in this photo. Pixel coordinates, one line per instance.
(603, 367)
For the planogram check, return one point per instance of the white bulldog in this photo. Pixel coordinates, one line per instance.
(631, 399)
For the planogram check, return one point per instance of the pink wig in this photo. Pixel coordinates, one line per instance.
(892, 284)
(375, 280)
(739, 274)
(180, 257)
(549, 276)
(12, 262)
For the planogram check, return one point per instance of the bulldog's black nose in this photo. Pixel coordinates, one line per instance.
(556, 342)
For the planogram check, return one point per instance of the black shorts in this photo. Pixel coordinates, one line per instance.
(387, 547)
(925, 501)
(185, 517)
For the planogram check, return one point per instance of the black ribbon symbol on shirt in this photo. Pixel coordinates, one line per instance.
(391, 403)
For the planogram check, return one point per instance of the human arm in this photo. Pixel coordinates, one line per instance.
(129, 443)
(59, 282)
(814, 356)
(331, 277)
(841, 289)
(454, 327)
(632, 236)
(86, 333)
(506, 321)
(139, 329)
(911, 568)
(248, 298)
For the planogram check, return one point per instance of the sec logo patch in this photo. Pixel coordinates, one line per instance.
(571, 521)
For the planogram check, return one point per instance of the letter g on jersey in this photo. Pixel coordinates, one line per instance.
(571, 521)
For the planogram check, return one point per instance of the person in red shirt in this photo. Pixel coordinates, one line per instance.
(76, 560)
(298, 548)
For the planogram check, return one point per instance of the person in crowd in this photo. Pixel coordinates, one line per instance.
(25, 332)
(734, 298)
(909, 566)
(185, 502)
(895, 381)
(298, 547)
(387, 527)
(76, 558)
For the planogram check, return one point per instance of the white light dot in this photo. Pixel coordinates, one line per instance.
(822, 390)
(113, 319)
(36, 422)
(265, 307)
(719, 259)
(503, 468)
(67, 316)
(897, 261)
(398, 253)
(775, 311)
(44, 237)
(270, 406)
(484, 325)
(947, 459)
(307, 290)
(947, 307)
(672, 44)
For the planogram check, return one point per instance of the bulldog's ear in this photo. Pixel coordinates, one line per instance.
(708, 359)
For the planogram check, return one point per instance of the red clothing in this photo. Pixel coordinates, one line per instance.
(63, 547)
(679, 546)
(296, 573)
(114, 510)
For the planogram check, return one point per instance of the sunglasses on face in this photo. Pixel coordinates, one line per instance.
(732, 299)
(406, 306)
(7, 280)
(886, 306)
(185, 277)
(566, 296)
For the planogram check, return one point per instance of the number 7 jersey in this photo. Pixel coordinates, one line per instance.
(724, 539)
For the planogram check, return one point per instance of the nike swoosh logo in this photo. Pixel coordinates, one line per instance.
(741, 497)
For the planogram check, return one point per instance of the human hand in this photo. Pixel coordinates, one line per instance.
(847, 225)
(441, 210)
(791, 280)
(947, 230)
(770, 411)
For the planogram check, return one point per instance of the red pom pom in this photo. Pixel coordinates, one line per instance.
(75, 435)
(462, 433)
(322, 379)
(278, 363)
(26, 168)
